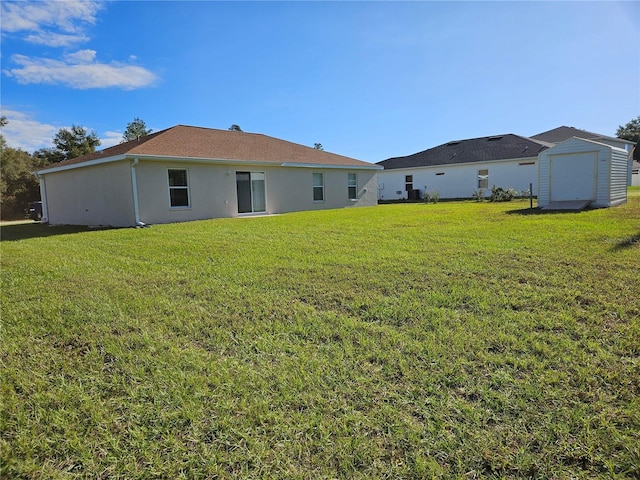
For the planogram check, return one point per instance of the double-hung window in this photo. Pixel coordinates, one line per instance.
(483, 178)
(318, 187)
(178, 187)
(352, 186)
(408, 183)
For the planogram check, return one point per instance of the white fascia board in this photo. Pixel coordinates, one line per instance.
(339, 167)
(467, 164)
(89, 163)
(217, 161)
(588, 140)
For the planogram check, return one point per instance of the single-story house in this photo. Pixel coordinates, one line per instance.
(560, 134)
(189, 173)
(583, 170)
(460, 168)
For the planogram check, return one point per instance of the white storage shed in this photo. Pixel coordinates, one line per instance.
(582, 170)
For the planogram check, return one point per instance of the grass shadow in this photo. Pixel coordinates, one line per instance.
(627, 242)
(539, 211)
(23, 231)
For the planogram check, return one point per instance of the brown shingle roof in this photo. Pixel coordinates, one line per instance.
(206, 143)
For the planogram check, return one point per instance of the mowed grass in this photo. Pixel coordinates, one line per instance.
(449, 340)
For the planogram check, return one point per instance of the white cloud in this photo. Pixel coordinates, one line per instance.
(81, 56)
(23, 132)
(62, 24)
(79, 70)
(55, 39)
(109, 139)
(53, 23)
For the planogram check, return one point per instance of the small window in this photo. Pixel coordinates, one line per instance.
(483, 178)
(178, 187)
(440, 173)
(408, 183)
(352, 186)
(318, 187)
(526, 163)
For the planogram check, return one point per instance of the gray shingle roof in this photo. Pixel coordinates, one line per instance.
(483, 149)
(563, 133)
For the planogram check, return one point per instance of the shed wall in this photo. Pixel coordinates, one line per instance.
(619, 169)
(610, 172)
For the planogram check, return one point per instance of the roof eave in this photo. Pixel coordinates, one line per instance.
(217, 161)
(326, 165)
(88, 163)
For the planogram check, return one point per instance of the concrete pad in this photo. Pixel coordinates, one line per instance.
(573, 205)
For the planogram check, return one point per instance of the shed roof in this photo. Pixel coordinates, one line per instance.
(187, 142)
(563, 133)
(483, 149)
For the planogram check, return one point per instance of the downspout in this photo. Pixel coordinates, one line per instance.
(43, 199)
(134, 186)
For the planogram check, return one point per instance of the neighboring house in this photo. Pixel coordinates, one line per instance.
(459, 168)
(189, 173)
(583, 170)
(635, 173)
(563, 133)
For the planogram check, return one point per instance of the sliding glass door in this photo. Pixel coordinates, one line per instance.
(251, 192)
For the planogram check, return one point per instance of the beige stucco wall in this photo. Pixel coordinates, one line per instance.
(95, 195)
(212, 190)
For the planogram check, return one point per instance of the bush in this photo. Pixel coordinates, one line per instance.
(501, 195)
(431, 196)
(478, 195)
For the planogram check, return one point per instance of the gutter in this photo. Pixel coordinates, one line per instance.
(213, 161)
(340, 167)
(134, 186)
(43, 198)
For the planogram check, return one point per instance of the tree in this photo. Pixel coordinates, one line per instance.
(318, 146)
(235, 128)
(18, 185)
(630, 131)
(74, 142)
(135, 129)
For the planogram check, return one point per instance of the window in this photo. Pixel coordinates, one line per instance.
(483, 178)
(352, 186)
(318, 187)
(408, 183)
(178, 187)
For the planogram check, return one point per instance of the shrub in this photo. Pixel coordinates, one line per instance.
(478, 194)
(431, 196)
(499, 194)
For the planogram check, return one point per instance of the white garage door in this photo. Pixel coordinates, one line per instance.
(573, 176)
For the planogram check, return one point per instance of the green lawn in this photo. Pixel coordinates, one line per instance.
(449, 340)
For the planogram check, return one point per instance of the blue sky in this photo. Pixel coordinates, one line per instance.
(369, 80)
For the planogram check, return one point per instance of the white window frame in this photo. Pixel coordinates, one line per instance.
(352, 186)
(179, 187)
(320, 186)
(408, 182)
(483, 178)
